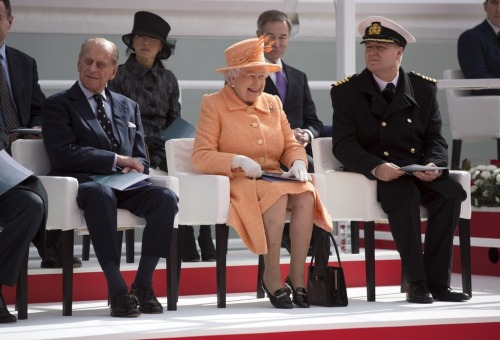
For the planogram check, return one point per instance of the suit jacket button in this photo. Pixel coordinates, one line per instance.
(412, 150)
(255, 124)
(409, 120)
(386, 153)
(384, 124)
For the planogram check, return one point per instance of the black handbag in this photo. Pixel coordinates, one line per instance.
(326, 284)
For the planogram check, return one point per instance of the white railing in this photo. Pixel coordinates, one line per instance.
(183, 84)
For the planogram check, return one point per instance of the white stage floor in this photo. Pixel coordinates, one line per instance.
(245, 314)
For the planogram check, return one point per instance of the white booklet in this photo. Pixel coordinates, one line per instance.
(121, 181)
(11, 172)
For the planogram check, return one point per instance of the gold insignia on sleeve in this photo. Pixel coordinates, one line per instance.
(343, 81)
(374, 29)
(429, 79)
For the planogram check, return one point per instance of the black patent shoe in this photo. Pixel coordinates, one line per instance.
(145, 298)
(122, 306)
(280, 298)
(5, 316)
(299, 294)
(206, 244)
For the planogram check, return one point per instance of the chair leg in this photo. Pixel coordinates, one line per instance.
(85, 247)
(221, 235)
(369, 231)
(260, 274)
(180, 245)
(455, 153)
(129, 245)
(465, 258)
(22, 290)
(355, 237)
(172, 281)
(68, 239)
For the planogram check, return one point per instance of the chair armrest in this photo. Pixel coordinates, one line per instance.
(463, 177)
(203, 198)
(170, 182)
(63, 211)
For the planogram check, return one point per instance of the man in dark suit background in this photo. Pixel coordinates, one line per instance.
(375, 132)
(91, 130)
(479, 48)
(26, 97)
(23, 211)
(297, 101)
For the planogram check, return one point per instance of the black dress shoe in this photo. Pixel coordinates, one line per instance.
(52, 262)
(145, 298)
(206, 244)
(446, 294)
(122, 306)
(418, 293)
(280, 298)
(5, 316)
(189, 251)
(299, 294)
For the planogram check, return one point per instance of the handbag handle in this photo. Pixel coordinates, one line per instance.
(326, 234)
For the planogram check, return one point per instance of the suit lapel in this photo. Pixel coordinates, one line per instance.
(88, 116)
(119, 116)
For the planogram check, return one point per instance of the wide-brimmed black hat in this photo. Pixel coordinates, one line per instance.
(152, 25)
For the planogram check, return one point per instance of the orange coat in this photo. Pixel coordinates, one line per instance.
(227, 127)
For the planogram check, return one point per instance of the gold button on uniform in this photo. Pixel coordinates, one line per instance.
(255, 124)
(384, 124)
(260, 141)
(409, 120)
(386, 153)
(412, 150)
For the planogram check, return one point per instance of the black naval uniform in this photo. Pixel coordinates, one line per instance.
(368, 131)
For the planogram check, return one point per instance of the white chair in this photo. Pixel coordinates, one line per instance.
(352, 196)
(65, 215)
(471, 117)
(203, 200)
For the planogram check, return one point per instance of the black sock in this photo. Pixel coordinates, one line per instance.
(115, 280)
(144, 277)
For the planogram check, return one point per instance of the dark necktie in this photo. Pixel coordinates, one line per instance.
(388, 92)
(281, 85)
(9, 112)
(103, 119)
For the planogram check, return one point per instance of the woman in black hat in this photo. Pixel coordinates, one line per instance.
(145, 79)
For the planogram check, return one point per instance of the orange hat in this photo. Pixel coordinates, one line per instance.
(248, 53)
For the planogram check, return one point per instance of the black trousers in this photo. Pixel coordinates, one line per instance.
(432, 263)
(21, 215)
(157, 205)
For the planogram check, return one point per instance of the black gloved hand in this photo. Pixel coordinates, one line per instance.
(154, 143)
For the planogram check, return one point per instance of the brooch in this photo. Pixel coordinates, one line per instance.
(271, 108)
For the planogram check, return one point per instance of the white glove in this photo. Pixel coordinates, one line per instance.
(299, 170)
(250, 167)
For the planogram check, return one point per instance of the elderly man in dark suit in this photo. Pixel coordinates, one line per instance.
(23, 211)
(385, 118)
(479, 48)
(26, 97)
(91, 130)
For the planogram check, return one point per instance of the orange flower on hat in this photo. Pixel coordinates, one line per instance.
(252, 54)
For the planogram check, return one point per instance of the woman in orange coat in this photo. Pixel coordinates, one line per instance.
(242, 132)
